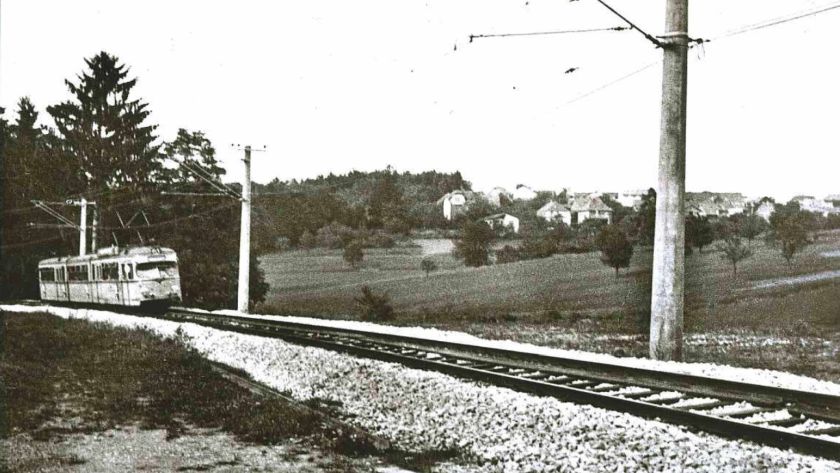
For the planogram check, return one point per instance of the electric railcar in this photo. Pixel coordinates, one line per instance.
(144, 276)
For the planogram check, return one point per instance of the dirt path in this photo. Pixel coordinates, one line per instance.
(795, 280)
(435, 246)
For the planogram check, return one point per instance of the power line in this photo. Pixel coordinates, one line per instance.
(30, 243)
(175, 220)
(777, 21)
(540, 33)
(632, 25)
(613, 82)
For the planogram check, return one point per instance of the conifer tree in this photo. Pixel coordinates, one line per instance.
(104, 127)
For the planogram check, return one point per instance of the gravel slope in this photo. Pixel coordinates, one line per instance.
(498, 429)
(748, 375)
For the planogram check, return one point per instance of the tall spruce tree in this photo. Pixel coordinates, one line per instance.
(104, 127)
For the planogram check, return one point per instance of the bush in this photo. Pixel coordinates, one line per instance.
(334, 236)
(375, 307)
(396, 226)
(353, 253)
(508, 254)
(307, 240)
(282, 243)
(379, 239)
(537, 247)
(474, 245)
(428, 266)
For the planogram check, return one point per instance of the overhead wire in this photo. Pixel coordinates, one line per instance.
(29, 243)
(542, 33)
(613, 82)
(734, 32)
(776, 21)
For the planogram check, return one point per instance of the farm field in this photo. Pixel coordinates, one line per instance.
(574, 301)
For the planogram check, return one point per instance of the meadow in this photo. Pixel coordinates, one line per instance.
(573, 300)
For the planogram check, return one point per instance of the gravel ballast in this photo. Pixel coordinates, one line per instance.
(497, 429)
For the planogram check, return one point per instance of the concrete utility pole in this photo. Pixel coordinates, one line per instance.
(83, 228)
(93, 229)
(666, 324)
(245, 237)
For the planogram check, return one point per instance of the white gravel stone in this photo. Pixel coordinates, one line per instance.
(746, 375)
(497, 429)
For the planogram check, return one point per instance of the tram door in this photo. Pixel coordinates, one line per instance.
(126, 276)
(63, 286)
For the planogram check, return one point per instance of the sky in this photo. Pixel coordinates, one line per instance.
(332, 86)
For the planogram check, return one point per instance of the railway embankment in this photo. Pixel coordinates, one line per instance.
(491, 428)
(81, 396)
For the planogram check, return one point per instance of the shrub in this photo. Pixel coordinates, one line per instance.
(428, 266)
(474, 245)
(307, 240)
(379, 239)
(375, 307)
(282, 243)
(353, 253)
(508, 254)
(334, 235)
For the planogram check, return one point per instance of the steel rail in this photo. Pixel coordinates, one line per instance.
(614, 387)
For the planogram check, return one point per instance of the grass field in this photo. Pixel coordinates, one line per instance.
(565, 294)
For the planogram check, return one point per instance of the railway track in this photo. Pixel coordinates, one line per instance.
(803, 421)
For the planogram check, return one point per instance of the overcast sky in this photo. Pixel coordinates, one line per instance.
(330, 86)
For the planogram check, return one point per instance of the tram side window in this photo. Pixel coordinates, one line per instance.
(77, 273)
(110, 272)
(47, 274)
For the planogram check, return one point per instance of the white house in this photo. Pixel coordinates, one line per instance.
(584, 209)
(834, 199)
(496, 194)
(712, 204)
(524, 192)
(817, 206)
(632, 199)
(765, 210)
(553, 211)
(503, 220)
(455, 203)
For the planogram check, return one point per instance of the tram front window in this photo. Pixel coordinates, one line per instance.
(158, 270)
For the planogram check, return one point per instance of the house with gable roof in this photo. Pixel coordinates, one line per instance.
(523, 192)
(456, 203)
(554, 211)
(502, 221)
(585, 208)
(496, 196)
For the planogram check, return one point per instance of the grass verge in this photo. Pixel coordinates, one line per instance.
(64, 376)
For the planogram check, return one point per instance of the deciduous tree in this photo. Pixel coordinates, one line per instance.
(616, 249)
(734, 251)
(698, 232)
(474, 245)
(789, 229)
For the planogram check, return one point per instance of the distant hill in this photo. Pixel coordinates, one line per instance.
(383, 199)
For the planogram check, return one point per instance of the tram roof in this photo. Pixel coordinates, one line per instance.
(110, 252)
